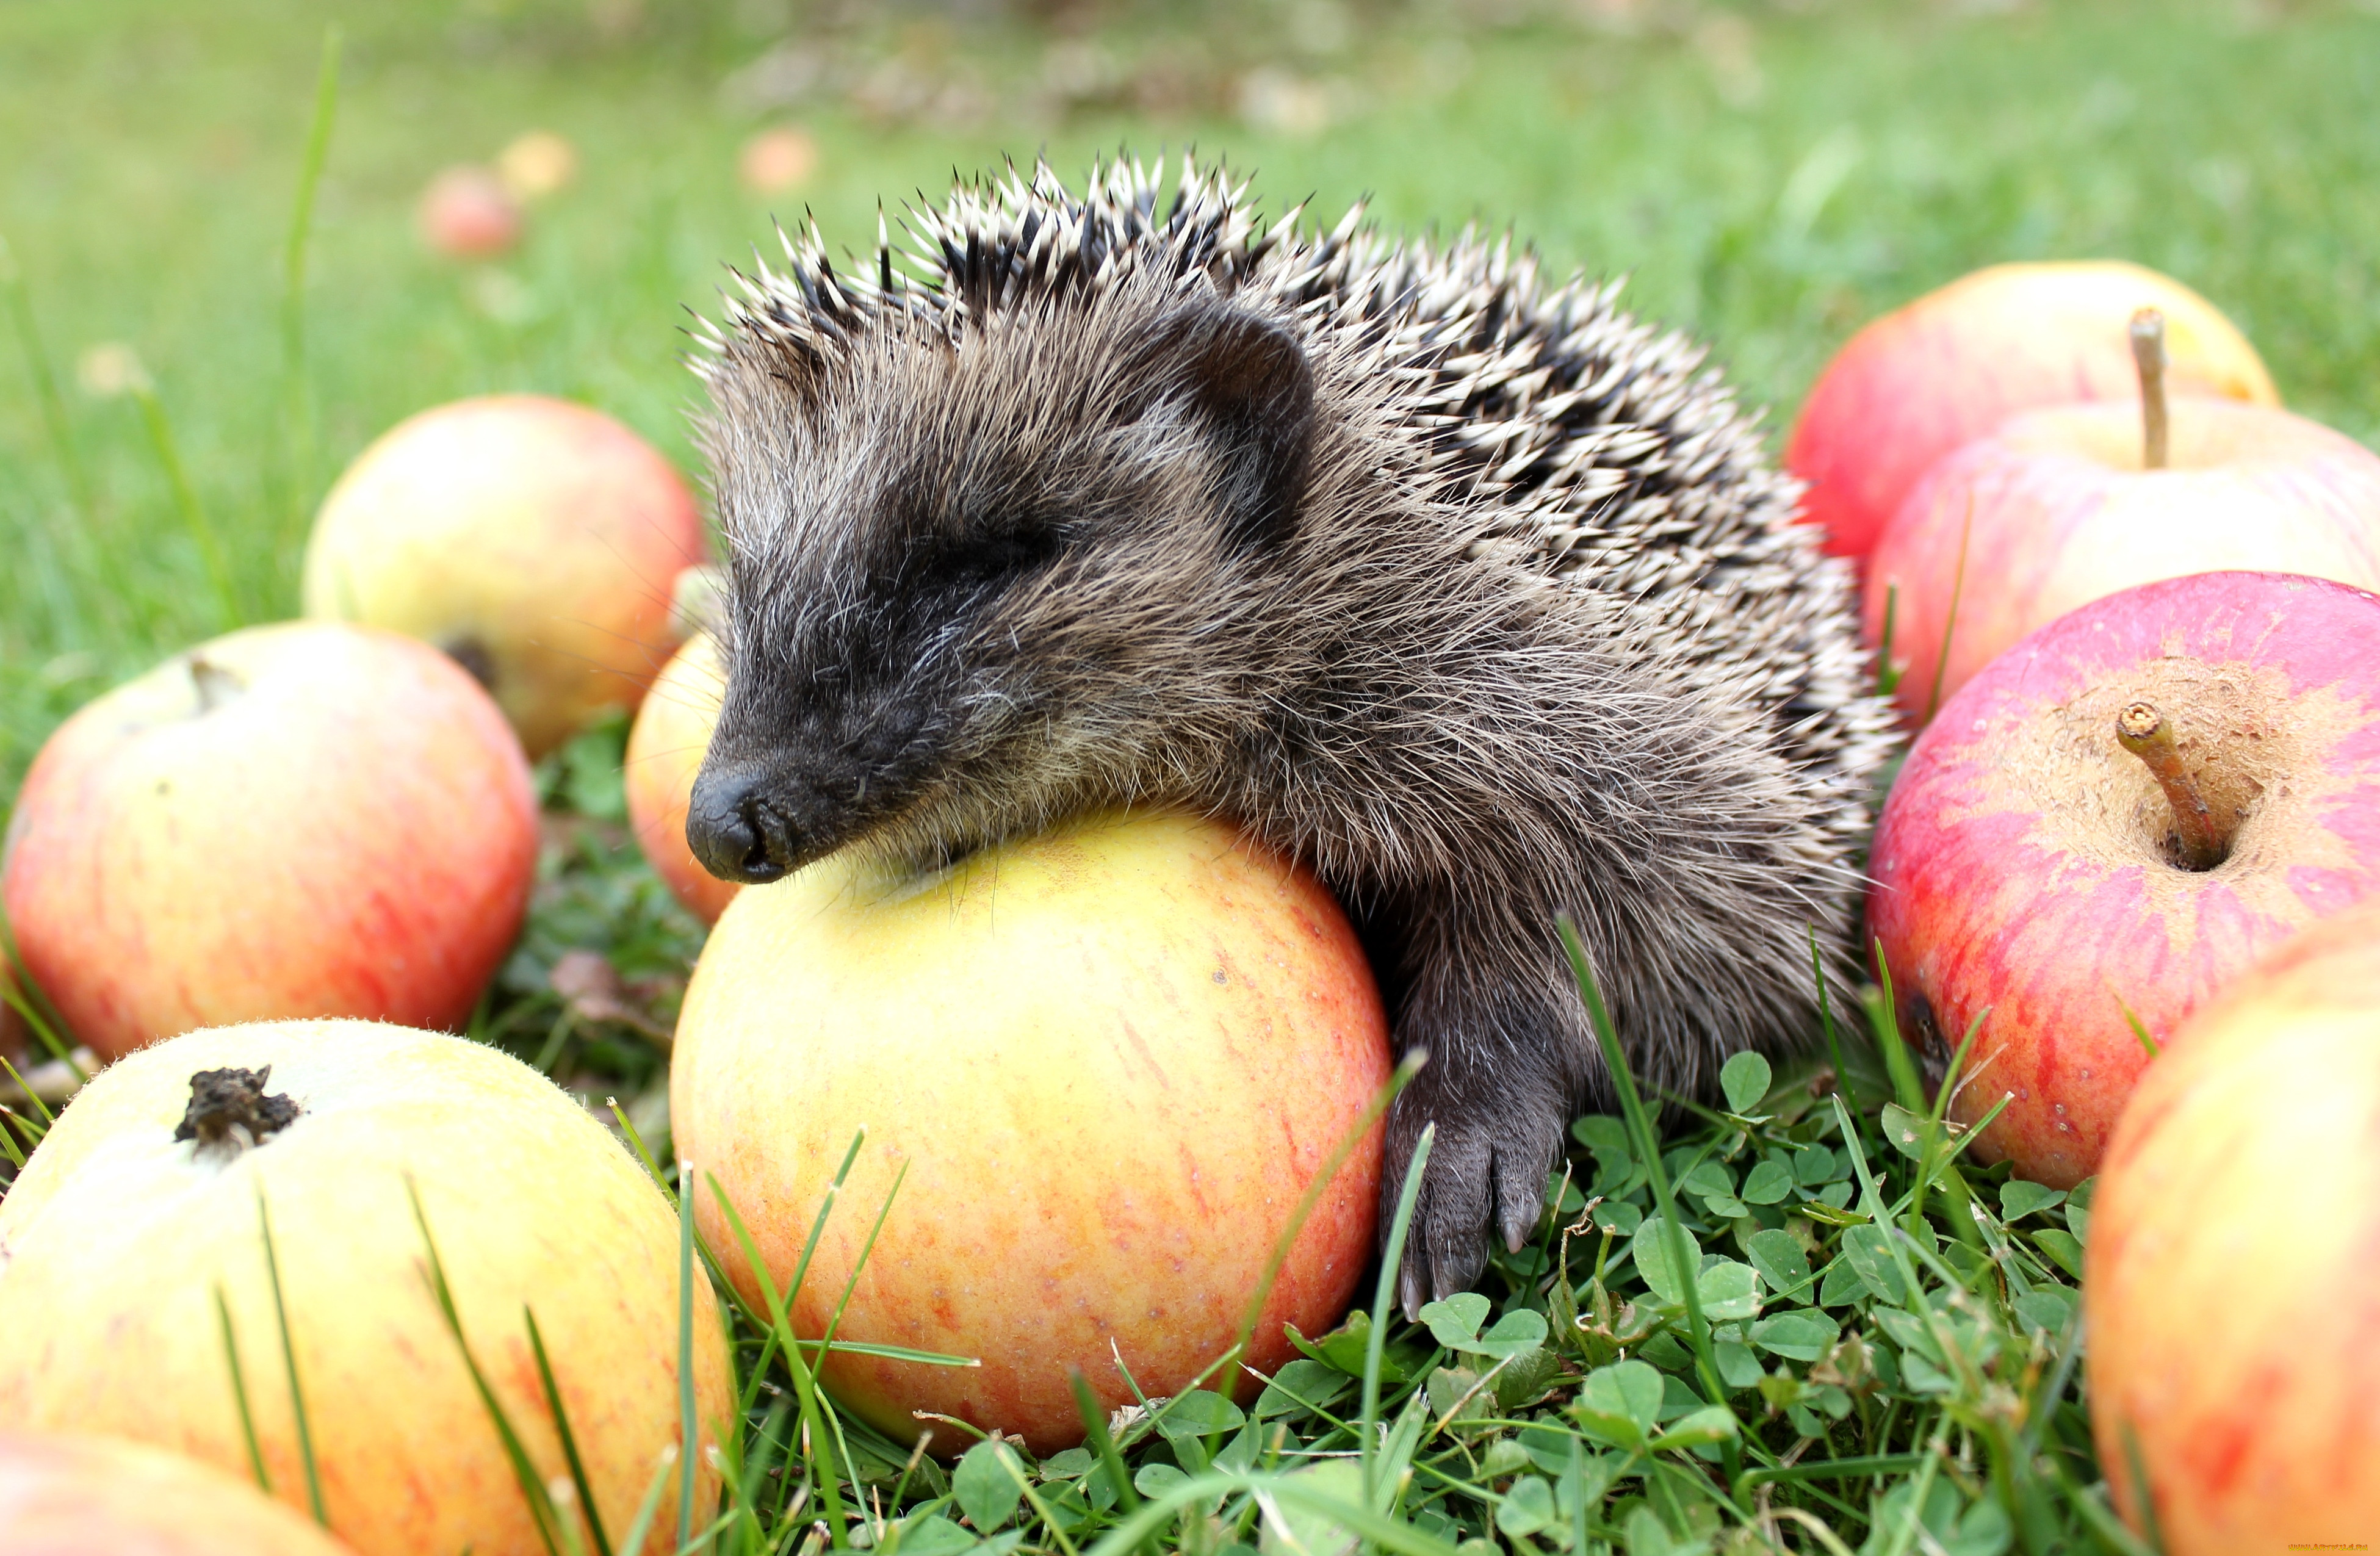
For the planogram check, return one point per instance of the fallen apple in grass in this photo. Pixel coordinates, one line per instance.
(136, 1242)
(307, 819)
(1102, 1067)
(65, 1494)
(2234, 1246)
(1946, 369)
(665, 749)
(468, 214)
(2059, 507)
(2114, 820)
(534, 539)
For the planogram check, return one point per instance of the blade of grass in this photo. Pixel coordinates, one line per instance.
(290, 1360)
(1950, 617)
(1844, 1081)
(804, 1387)
(1887, 677)
(689, 1438)
(298, 410)
(1883, 1015)
(641, 1528)
(652, 1168)
(1094, 1429)
(1631, 1106)
(195, 520)
(28, 999)
(45, 383)
(542, 1513)
(553, 1393)
(239, 1393)
(1391, 1257)
(48, 1118)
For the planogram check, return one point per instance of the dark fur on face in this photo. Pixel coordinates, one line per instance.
(1480, 599)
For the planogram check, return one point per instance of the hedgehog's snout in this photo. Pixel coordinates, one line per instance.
(734, 831)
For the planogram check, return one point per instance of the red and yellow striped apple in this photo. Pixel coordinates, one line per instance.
(309, 819)
(2234, 1248)
(121, 1240)
(534, 539)
(1110, 1060)
(1946, 369)
(2053, 510)
(2030, 865)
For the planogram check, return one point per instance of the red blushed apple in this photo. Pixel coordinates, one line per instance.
(2234, 1249)
(2038, 873)
(65, 1494)
(1950, 367)
(534, 539)
(665, 749)
(307, 819)
(468, 214)
(135, 1236)
(2054, 509)
(1111, 1059)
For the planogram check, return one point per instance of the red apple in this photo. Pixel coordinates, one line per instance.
(468, 214)
(2234, 1248)
(777, 160)
(2030, 866)
(129, 1248)
(1111, 1059)
(1950, 367)
(2054, 509)
(69, 1495)
(307, 819)
(535, 539)
(664, 753)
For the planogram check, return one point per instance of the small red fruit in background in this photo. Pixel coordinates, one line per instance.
(777, 160)
(302, 819)
(2233, 1253)
(665, 751)
(535, 539)
(2034, 864)
(1950, 367)
(468, 214)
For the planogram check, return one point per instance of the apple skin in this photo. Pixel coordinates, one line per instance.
(1111, 1058)
(119, 1238)
(2234, 1248)
(665, 749)
(468, 214)
(2020, 865)
(2055, 511)
(63, 1494)
(353, 833)
(535, 539)
(1946, 369)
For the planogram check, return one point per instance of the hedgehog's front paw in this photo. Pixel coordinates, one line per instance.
(1485, 1175)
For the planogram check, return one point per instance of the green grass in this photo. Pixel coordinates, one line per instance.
(1769, 175)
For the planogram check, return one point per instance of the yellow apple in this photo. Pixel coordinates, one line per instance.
(534, 539)
(665, 749)
(306, 818)
(119, 1240)
(68, 1495)
(2234, 1250)
(1110, 1060)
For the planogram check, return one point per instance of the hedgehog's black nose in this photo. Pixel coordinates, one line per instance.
(734, 832)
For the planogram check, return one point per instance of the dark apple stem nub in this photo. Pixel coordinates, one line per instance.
(2142, 730)
(2149, 354)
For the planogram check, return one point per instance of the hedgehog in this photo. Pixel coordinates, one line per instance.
(1470, 592)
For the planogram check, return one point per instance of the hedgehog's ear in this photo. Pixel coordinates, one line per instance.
(1248, 379)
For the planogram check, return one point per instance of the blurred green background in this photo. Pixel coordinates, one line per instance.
(1769, 175)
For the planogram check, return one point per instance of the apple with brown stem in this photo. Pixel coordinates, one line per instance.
(2111, 822)
(1928, 377)
(2061, 506)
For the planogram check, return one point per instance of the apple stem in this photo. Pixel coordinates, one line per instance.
(216, 686)
(2142, 730)
(2149, 354)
